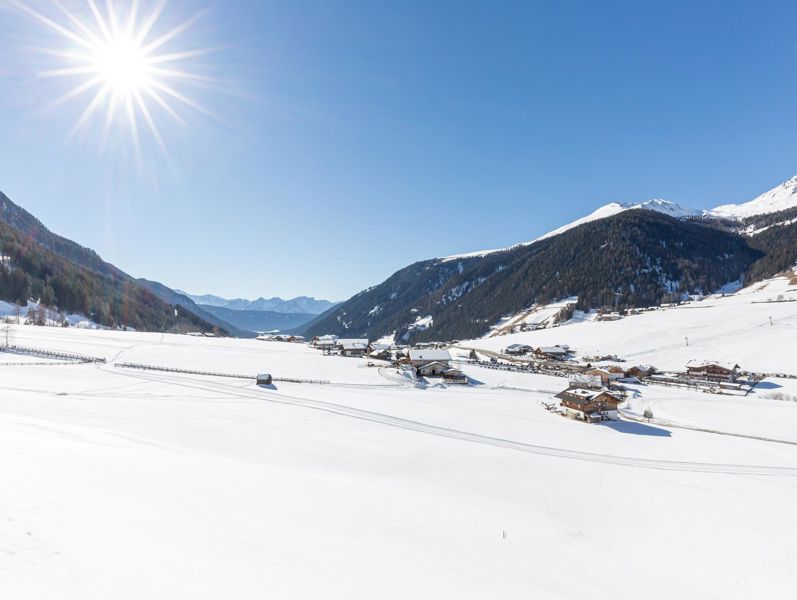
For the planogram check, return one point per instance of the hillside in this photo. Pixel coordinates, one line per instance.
(64, 275)
(634, 258)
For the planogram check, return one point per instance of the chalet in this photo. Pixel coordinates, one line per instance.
(640, 371)
(421, 356)
(713, 370)
(552, 352)
(352, 347)
(517, 349)
(589, 405)
(382, 354)
(433, 369)
(607, 375)
(324, 342)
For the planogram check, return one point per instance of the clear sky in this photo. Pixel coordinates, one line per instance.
(350, 139)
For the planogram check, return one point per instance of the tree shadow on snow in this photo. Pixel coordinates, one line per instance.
(635, 428)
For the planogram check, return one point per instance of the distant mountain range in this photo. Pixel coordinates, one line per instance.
(619, 256)
(298, 305)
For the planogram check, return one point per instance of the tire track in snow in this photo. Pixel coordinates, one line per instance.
(407, 424)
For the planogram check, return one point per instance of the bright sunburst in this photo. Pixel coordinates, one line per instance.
(119, 66)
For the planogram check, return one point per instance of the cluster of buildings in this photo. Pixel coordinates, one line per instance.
(280, 337)
(559, 352)
(427, 360)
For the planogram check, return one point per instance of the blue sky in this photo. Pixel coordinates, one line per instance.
(357, 137)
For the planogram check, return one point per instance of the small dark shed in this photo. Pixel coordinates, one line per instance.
(264, 379)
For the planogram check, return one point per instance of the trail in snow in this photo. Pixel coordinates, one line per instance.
(375, 417)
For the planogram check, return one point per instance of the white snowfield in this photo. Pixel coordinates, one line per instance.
(751, 328)
(130, 484)
(782, 197)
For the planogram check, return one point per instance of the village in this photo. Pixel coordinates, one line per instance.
(596, 388)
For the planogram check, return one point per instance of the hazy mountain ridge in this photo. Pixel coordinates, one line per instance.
(299, 304)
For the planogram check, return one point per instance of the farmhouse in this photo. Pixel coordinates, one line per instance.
(517, 349)
(433, 369)
(352, 347)
(606, 375)
(589, 405)
(554, 352)
(324, 342)
(422, 356)
(640, 371)
(713, 370)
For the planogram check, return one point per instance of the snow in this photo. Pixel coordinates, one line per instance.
(735, 328)
(782, 197)
(608, 210)
(132, 484)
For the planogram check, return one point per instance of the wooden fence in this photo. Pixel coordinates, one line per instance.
(144, 367)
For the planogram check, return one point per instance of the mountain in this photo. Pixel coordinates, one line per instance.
(298, 305)
(62, 274)
(778, 199)
(621, 255)
(175, 298)
(258, 320)
(608, 210)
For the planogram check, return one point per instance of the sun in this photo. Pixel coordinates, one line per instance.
(121, 70)
(123, 66)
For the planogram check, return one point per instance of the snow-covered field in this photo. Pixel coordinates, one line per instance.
(750, 328)
(130, 484)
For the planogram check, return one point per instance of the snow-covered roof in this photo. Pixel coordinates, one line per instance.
(699, 364)
(429, 354)
(345, 341)
(354, 344)
(552, 350)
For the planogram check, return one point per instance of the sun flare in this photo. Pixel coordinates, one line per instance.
(118, 65)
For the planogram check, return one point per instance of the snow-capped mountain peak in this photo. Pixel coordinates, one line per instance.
(666, 207)
(782, 197)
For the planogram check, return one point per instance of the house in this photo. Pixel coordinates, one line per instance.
(640, 371)
(713, 370)
(352, 347)
(324, 342)
(263, 379)
(553, 352)
(381, 354)
(589, 405)
(517, 349)
(433, 369)
(606, 374)
(421, 356)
